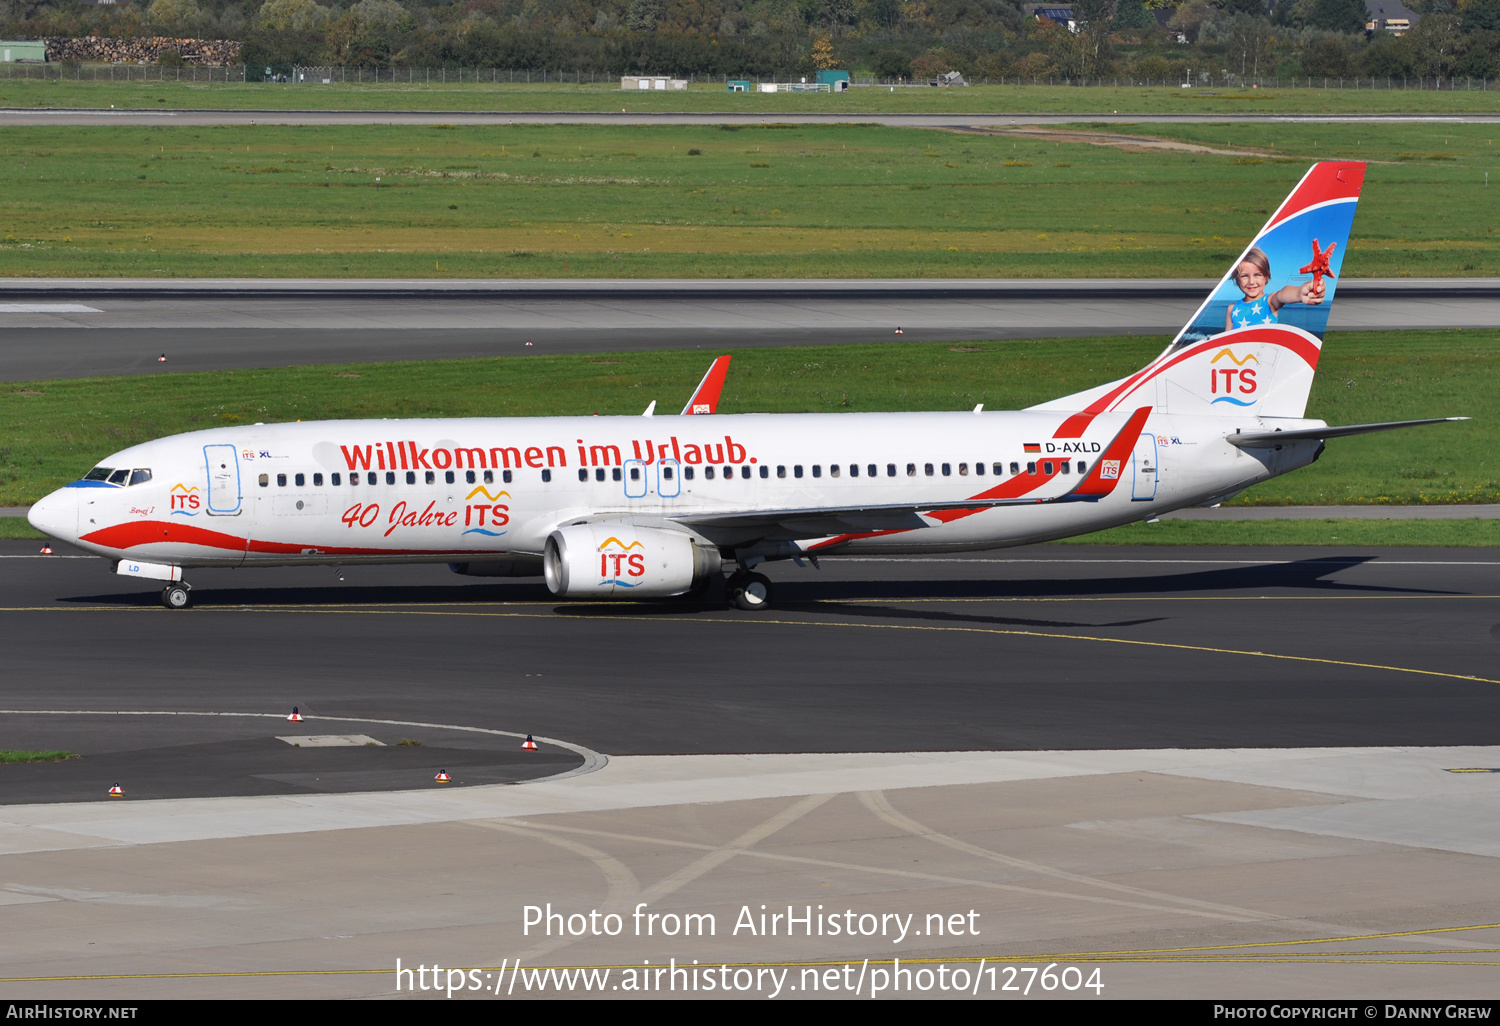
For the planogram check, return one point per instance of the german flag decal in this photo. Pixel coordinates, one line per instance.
(1033, 446)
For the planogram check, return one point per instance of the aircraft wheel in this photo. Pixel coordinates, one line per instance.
(176, 596)
(750, 591)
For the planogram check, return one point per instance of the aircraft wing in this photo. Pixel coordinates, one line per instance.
(737, 527)
(706, 396)
(1261, 439)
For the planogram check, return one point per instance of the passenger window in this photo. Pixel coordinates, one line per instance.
(1030, 467)
(583, 474)
(911, 470)
(598, 473)
(872, 470)
(431, 477)
(1015, 468)
(927, 469)
(979, 469)
(353, 479)
(300, 480)
(999, 469)
(1082, 467)
(765, 472)
(1046, 466)
(264, 480)
(334, 479)
(797, 470)
(947, 469)
(390, 477)
(963, 470)
(687, 472)
(139, 476)
(780, 471)
(708, 473)
(370, 477)
(1066, 466)
(614, 474)
(666, 473)
(890, 470)
(546, 476)
(280, 480)
(489, 476)
(744, 472)
(817, 470)
(317, 480)
(833, 470)
(635, 473)
(119, 477)
(447, 477)
(469, 476)
(854, 470)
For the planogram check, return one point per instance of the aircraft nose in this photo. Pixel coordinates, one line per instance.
(56, 515)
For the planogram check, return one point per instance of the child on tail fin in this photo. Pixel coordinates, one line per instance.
(1252, 275)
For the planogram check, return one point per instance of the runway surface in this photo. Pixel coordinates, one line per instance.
(79, 116)
(1040, 648)
(51, 329)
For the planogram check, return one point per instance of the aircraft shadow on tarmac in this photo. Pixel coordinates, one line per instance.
(808, 593)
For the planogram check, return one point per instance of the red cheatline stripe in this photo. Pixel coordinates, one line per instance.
(156, 532)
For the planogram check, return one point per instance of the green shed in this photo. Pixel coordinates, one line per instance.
(11, 51)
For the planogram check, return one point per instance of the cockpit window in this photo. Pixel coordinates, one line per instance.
(119, 477)
(139, 476)
(99, 474)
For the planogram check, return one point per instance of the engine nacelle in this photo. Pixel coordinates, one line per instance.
(617, 560)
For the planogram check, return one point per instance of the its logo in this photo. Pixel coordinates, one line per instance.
(247, 454)
(495, 512)
(184, 500)
(702, 408)
(1238, 378)
(634, 563)
(1109, 470)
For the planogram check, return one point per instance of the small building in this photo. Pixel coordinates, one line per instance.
(1058, 14)
(738, 85)
(28, 52)
(949, 78)
(838, 81)
(635, 82)
(1388, 16)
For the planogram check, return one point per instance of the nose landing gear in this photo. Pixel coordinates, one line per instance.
(176, 596)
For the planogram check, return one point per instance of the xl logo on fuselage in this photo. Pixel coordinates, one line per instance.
(633, 563)
(1227, 380)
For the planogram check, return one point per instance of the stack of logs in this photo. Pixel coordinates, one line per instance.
(94, 50)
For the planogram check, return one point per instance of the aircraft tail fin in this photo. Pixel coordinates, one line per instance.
(1252, 346)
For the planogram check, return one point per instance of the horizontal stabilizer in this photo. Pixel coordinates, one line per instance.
(1260, 439)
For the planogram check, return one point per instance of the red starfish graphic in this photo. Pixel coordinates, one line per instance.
(1319, 265)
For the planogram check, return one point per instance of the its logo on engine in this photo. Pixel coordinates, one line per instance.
(613, 564)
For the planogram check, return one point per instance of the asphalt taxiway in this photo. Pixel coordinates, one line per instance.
(1048, 647)
(73, 328)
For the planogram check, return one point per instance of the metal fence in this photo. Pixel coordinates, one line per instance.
(295, 75)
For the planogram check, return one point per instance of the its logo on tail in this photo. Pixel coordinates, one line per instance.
(1237, 378)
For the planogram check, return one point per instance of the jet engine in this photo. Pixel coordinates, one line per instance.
(619, 560)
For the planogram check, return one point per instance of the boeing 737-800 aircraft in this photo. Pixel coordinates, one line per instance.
(641, 507)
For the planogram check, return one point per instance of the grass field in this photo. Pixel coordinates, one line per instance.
(53, 431)
(700, 201)
(11, 756)
(711, 97)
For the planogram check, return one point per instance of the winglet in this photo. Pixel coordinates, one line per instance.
(1110, 466)
(706, 397)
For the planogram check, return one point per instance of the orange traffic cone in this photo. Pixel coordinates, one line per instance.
(117, 791)
(442, 777)
(295, 717)
(46, 550)
(529, 746)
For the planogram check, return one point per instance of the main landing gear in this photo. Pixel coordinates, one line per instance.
(176, 596)
(749, 591)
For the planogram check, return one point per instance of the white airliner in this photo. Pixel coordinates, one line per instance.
(638, 507)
